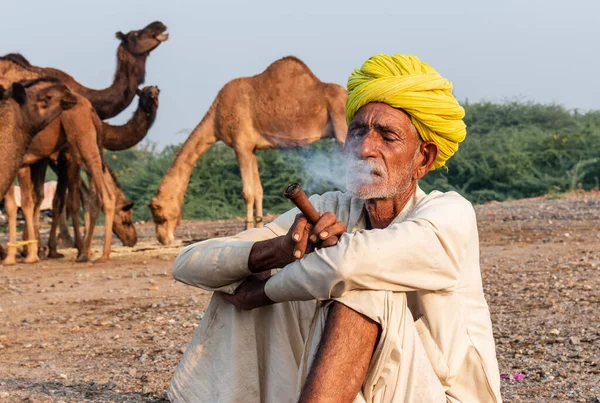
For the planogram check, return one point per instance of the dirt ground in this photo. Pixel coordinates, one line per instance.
(116, 331)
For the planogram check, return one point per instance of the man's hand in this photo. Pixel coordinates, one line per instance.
(250, 294)
(302, 238)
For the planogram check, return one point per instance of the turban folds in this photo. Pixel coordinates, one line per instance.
(405, 82)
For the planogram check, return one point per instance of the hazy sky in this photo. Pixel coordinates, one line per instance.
(542, 50)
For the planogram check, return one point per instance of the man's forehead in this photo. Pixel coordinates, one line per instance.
(383, 114)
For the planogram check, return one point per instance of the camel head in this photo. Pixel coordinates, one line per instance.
(143, 41)
(165, 219)
(123, 224)
(149, 99)
(41, 100)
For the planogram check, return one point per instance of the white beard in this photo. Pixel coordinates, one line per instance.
(367, 180)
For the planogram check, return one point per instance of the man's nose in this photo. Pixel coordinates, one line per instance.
(368, 145)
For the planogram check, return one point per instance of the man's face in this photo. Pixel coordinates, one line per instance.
(380, 151)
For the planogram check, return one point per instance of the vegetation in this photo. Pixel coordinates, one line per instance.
(513, 150)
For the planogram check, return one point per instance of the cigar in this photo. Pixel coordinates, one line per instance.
(295, 193)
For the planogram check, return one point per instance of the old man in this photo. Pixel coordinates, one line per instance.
(381, 300)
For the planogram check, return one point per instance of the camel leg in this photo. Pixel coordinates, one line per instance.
(92, 212)
(38, 176)
(27, 206)
(82, 132)
(64, 236)
(58, 207)
(10, 204)
(73, 206)
(258, 196)
(90, 216)
(246, 161)
(86, 202)
(108, 206)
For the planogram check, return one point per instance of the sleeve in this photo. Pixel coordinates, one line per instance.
(221, 264)
(423, 252)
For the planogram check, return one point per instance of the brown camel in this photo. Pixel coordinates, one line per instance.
(131, 70)
(284, 106)
(117, 138)
(114, 138)
(80, 130)
(25, 109)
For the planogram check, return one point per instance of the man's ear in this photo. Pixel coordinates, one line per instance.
(428, 152)
(18, 93)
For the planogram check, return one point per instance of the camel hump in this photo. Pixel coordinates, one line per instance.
(17, 58)
(288, 66)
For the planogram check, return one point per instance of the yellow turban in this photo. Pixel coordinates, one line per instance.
(407, 83)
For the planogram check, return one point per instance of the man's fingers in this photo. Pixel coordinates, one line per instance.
(299, 227)
(331, 241)
(301, 245)
(328, 219)
(337, 228)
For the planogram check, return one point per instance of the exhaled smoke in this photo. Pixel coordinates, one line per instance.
(325, 171)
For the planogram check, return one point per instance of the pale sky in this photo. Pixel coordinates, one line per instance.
(540, 50)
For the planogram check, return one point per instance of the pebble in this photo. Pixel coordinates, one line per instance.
(555, 332)
(62, 376)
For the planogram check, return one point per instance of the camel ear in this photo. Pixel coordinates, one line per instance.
(18, 93)
(121, 36)
(127, 207)
(138, 92)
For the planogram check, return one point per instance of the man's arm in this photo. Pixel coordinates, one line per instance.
(425, 252)
(343, 357)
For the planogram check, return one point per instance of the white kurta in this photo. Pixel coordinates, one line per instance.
(424, 266)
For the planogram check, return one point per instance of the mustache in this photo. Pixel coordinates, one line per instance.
(365, 167)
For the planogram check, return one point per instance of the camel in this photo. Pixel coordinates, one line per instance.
(80, 130)
(115, 138)
(284, 106)
(25, 109)
(132, 53)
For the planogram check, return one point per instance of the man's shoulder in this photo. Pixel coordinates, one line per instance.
(449, 204)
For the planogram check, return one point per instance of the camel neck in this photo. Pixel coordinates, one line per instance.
(175, 182)
(117, 138)
(112, 100)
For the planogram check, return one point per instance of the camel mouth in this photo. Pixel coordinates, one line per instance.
(162, 37)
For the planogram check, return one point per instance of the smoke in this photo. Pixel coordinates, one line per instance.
(324, 171)
(327, 171)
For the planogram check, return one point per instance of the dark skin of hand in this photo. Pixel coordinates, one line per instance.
(302, 238)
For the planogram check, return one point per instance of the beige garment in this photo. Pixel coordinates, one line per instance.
(428, 259)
